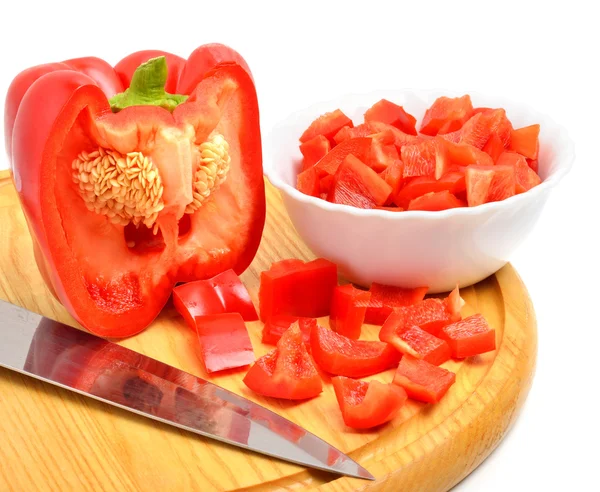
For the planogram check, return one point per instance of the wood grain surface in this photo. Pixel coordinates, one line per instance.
(52, 439)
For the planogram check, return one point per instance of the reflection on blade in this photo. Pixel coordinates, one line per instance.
(87, 364)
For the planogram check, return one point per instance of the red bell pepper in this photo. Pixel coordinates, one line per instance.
(294, 288)
(328, 125)
(222, 294)
(430, 315)
(367, 404)
(286, 372)
(340, 355)
(348, 308)
(308, 182)
(384, 298)
(348, 132)
(525, 141)
(446, 115)
(453, 181)
(126, 196)
(421, 345)
(392, 114)
(314, 150)
(525, 177)
(423, 381)
(356, 184)
(470, 336)
(358, 147)
(224, 342)
(278, 325)
(441, 200)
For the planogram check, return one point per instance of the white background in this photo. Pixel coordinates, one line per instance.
(543, 53)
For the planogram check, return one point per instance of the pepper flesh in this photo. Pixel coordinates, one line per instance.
(116, 289)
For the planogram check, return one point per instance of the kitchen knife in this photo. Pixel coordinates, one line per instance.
(78, 361)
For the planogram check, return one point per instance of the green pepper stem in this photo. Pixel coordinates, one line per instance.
(147, 88)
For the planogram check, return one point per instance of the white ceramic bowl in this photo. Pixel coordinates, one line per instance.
(415, 248)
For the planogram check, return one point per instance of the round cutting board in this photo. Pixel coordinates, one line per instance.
(53, 439)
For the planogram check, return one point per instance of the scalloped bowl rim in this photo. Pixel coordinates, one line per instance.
(565, 145)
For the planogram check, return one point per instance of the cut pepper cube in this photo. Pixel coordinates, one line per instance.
(327, 124)
(525, 141)
(224, 342)
(348, 308)
(423, 381)
(358, 185)
(392, 114)
(276, 327)
(314, 150)
(446, 115)
(384, 298)
(470, 336)
(295, 288)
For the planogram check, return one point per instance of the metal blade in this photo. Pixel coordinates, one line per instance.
(89, 365)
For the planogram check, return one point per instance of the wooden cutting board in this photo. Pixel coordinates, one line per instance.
(52, 439)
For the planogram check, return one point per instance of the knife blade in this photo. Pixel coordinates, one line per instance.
(78, 361)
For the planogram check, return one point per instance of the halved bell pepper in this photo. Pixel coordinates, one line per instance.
(128, 192)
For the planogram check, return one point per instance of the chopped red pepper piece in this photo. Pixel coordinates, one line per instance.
(446, 115)
(454, 303)
(384, 298)
(470, 336)
(286, 372)
(347, 132)
(309, 182)
(465, 155)
(533, 164)
(328, 125)
(367, 404)
(146, 230)
(489, 183)
(525, 177)
(400, 138)
(394, 176)
(358, 185)
(278, 325)
(340, 355)
(295, 288)
(424, 158)
(224, 293)
(494, 147)
(423, 381)
(314, 150)
(453, 181)
(392, 114)
(414, 341)
(224, 342)
(358, 147)
(348, 308)
(475, 132)
(442, 200)
(525, 141)
(430, 315)
(382, 154)
(498, 124)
